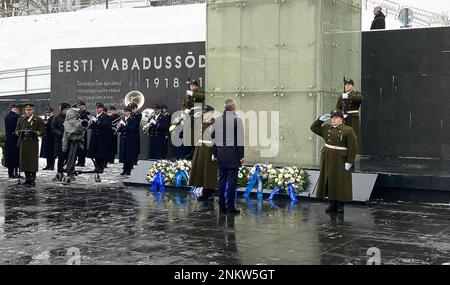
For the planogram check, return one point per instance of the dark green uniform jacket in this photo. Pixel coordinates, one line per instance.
(351, 107)
(204, 170)
(29, 142)
(340, 147)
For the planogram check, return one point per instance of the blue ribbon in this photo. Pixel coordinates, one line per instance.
(159, 197)
(274, 192)
(180, 177)
(256, 178)
(291, 206)
(158, 182)
(292, 192)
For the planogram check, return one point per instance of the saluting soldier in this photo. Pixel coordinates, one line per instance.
(81, 153)
(29, 129)
(194, 96)
(127, 127)
(113, 150)
(338, 156)
(204, 169)
(159, 125)
(11, 142)
(349, 103)
(48, 141)
(100, 137)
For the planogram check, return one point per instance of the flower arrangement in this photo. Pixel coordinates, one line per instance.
(243, 176)
(264, 169)
(284, 176)
(167, 169)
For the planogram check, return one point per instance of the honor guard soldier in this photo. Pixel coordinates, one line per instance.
(100, 126)
(338, 156)
(29, 129)
(349, 103)
(204, 169)
(11, 142)
(48, 141)
(138, 117)
(113, 150)
(83, 115)
(194, 96)
(127, 128)
(158, 127)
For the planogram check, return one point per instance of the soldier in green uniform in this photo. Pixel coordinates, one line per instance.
(193, 101)
(349, 103)
(204, 169)
(338, 156)
(29, 128)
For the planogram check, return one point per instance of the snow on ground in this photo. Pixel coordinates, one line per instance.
(27, 41)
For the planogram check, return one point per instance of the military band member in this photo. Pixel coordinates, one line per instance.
(12, 155)
(29, 129)
(127, 128)
(349, 103)
(100, 137)
(166, 114)
(113, 150)
(204, 169)
(48, 141)
(138, 117)
(159, 125)
(194, 96)
(57, 128)
(83, 115)
(338, 156)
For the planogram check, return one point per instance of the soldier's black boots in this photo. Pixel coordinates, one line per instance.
(233, 211)
(332, 207)
(340, 207)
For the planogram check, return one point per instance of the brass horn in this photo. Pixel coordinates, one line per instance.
(134, 97)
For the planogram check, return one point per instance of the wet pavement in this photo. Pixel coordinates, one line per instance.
(108, 223)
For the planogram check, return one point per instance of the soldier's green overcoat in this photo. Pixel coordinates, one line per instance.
(29, 142)
(334, 181)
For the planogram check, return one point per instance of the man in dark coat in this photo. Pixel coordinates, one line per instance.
(84, 115)
(350, 103)
(11, 142)
(379, 22)
(57, 128)
(29, 129)
(159, 125)
(100, 137)
(229, 152)
(113, 150)
(338, 157)
(128, 127)
(48, 141)
(137, 133)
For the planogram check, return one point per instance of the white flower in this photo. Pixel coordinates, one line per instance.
(287, 176)
(240, 175)
(292, 180)
(279, 183)
(280, 176)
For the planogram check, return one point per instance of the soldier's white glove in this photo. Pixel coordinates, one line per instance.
(152, 122)
(213, 158)
(345, 116)
(187, 111)
(325, 117)
(348, 166)
(94, 119)
(344, 95)
(189, 93)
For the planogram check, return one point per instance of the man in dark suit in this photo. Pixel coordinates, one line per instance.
(159, 124)
(48, 141)
(229, 152)
(11, 139)
(100, 137)
(57, 128)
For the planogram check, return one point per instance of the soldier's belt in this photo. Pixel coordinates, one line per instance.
(202, 141)
(353, 112)
(335, 147)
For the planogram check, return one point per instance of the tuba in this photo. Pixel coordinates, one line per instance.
(134, 97)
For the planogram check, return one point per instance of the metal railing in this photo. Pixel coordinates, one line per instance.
(14, 8)
(25, 81)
